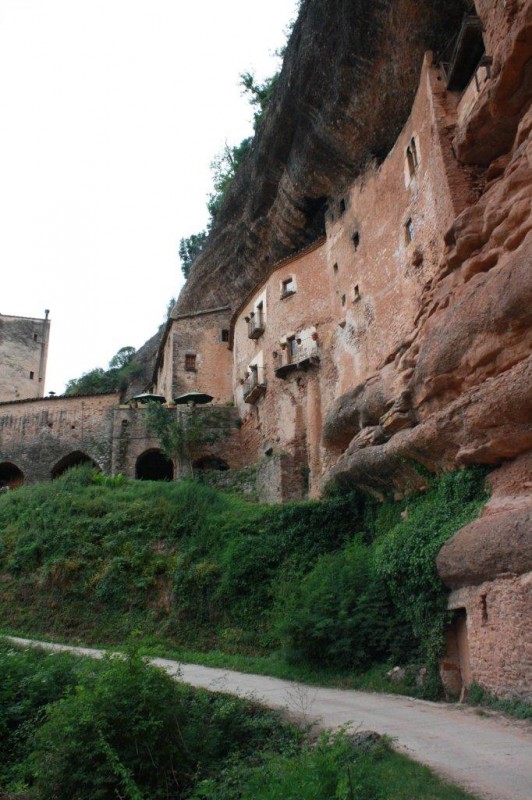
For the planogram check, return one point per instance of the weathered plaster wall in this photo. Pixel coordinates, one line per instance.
(287, 416)
(23, 355)
(389, 270)
(202, 336)
(36, 435)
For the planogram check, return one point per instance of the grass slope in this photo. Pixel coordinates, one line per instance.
(338, 586)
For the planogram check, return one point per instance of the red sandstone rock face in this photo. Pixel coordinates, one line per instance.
(460, 392)
(500, 541)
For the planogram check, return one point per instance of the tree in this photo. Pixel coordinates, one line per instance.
(181, 432)
(122, 367)
(259, 94)
(189, 250)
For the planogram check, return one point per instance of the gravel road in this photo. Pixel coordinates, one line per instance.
(490, 756)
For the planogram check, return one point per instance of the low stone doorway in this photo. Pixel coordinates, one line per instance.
(455, 667)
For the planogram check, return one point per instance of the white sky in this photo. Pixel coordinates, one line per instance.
(110, 114)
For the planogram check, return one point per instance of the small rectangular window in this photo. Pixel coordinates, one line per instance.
(225, 335)
(190, 362)
(32, 375)
(288, 287)
(35, 337)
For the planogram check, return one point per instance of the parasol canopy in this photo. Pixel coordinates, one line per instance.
(146, 397)
(194, 398)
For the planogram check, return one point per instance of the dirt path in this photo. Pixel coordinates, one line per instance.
(489, 756)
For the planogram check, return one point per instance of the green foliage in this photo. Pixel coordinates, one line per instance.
(77, 729)
(189, 249)
(122, 367)
(72, 728)
(259, 94)
(334, 768)
(514, 707)
(342, 583)
(181, 431)
(225, 166)
(407, 554)
(339, 613)
(29, 681)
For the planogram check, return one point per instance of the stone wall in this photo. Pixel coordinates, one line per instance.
(488, 565)
(23, 355)
(499, 636)
(36, 435)
(131, 439)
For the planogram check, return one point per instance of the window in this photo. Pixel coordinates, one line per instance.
(190, 362)
(35, 337)
(343, 299)
(225, 335)
(335, 268)
(32, 375)
(409, 231)
(288, 287)
(356, 294)
(356, 239)
(411, 157)
(343, 206)
(292, 347)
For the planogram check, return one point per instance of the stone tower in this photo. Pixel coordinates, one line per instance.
(23, 355)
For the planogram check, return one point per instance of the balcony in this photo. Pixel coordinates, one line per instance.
(256, 325)
(304, 355)
(466, 55)
(253, 388)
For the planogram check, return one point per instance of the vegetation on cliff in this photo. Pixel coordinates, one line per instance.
(343, 583)
(225, 166)
(123, 367)
(73, 728)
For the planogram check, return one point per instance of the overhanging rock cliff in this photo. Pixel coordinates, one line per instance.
(346, 88)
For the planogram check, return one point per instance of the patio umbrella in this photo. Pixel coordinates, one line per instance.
(146, 397)
(194, 398)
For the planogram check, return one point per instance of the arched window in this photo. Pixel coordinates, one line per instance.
(10, 476)
(153, 465)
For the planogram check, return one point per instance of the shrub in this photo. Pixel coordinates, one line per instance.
(29, 681)
(406, 555)
(129, 730)
(338, 613)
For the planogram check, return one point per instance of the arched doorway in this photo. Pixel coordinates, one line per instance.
(211, 462)
(74, 459)
(10, 476)
(154, 466)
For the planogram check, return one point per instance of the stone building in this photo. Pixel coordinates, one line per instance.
(23, 356)
(363, 307)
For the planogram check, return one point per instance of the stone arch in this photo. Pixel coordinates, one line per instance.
(210, 462)
(74, 459)
(153, 465)
(10, 475)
